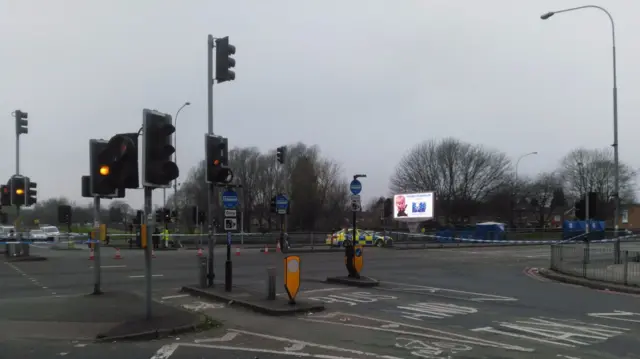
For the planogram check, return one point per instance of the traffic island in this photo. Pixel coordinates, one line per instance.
(255, 301)
(589, 283)
(364, 282)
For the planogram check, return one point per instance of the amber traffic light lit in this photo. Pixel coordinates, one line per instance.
(20, 191)
(104, 170)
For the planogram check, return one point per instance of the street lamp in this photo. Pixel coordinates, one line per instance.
(515, 184)
(615, 107)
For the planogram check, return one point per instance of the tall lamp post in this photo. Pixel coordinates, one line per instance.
(516, 177)
(615, 107)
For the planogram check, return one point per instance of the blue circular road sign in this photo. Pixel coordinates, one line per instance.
(355, 186)
(282, 202)
(229, 199)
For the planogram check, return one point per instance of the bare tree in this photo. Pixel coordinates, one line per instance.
(593, 170)
(543, 196)
(461, 174)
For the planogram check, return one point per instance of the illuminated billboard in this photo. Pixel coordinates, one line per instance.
(413, 206)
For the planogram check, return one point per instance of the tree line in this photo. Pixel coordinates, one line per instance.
(469, 180)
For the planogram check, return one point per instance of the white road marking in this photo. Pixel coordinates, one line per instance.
(142, 276)
(33, 280)
(198, 306)
(556, 331)
(175, 296)
(269, 351)
(385, 326)
(566, 356)
(312, 291)
(417, 311)
(229, 336)
(295, 347)
(479, 297)
(352, 298)
(113, 266)
(618, 315)
(165, 352)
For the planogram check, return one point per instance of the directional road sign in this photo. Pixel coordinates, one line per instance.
(230, 224)
(355, 186)
(229, 199)
(356, 204)
(282, 203)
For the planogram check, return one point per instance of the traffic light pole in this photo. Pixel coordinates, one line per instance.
(210, 186)
(586, 213)
(17, 223)
(96, 245)
(148, 214)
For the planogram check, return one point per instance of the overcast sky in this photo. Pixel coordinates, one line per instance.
(363, 79)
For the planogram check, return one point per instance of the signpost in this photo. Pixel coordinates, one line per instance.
(229, 201)
(282, 208)
(356, 205)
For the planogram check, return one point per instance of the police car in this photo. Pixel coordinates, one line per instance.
(364, 237)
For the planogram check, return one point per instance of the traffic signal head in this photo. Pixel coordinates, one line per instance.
(158, 169)
(101, 183)
(31, 192)
(21, 122)
(5, 196)
(64, 214)
(281, 153)
(217, 159)
(580, 210)
(119, 161)
(18, 189)
(224, 61)
(273, 204)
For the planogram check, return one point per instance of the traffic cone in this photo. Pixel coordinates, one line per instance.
(237, 251)
(117, 256)
(278, 247)
(266, 248)
(153, 253)
(91, 256)
(199, 252)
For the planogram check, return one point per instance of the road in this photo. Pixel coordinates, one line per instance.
(441, 303)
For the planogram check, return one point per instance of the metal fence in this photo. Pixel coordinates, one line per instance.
(617, 262)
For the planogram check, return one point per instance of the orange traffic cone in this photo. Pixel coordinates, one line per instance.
(153, 253)
(199, 252)
(237, 251)
(91, 255)
(266, 248)
(117, 256)
(278, 247)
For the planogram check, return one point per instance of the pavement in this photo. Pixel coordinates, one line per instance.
(485, 302)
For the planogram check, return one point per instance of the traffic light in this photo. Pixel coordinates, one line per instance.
(224, 61)
(18, 190)
(5, 197)
(281, 153)
(21, 122)
(593, 204)
(32, 192)
(64, 214)
(580, 209)
(159, 215)
(217, 159)
(273, 204)
(99, 170)
(167, 215)
(158, 169)
(202, 217)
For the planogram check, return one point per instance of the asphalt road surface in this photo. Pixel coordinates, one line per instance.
(440, 303)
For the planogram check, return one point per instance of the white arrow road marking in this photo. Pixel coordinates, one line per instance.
(165, 352)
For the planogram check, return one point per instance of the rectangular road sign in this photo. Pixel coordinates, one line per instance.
(230, 213)
(230, 224)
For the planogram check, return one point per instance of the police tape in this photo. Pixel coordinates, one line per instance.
(576, 239)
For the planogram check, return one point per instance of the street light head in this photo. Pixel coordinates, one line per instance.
(534, 152)
(187, 103)
(547, 15)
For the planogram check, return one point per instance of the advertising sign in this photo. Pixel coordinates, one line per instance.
(413, 205)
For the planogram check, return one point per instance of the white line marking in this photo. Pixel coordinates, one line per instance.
(418, 288)
(142, 276)
(165, 352)
(321, 346)
(269, 351)
(113, 266)
(175, 296)
(616, 315)
(439, 334)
